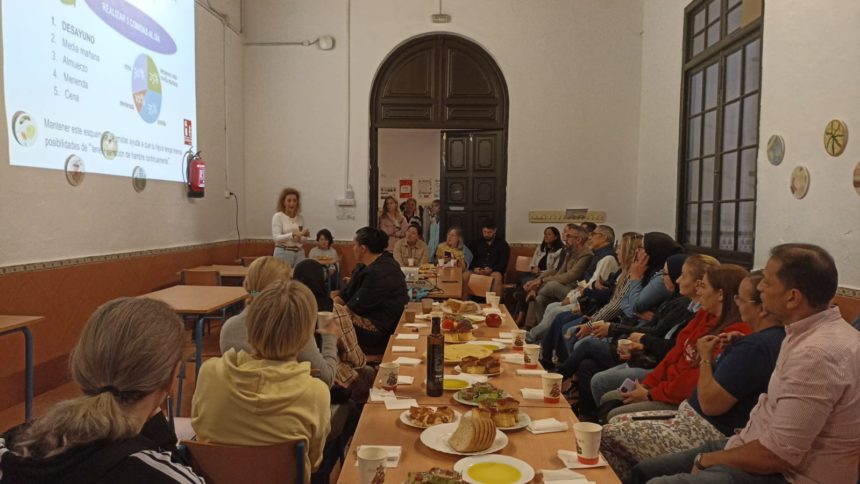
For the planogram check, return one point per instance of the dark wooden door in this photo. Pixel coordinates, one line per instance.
(473, 180)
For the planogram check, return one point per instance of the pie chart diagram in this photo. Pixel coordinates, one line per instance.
(146, 88)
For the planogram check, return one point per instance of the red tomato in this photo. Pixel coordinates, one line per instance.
(494, 320)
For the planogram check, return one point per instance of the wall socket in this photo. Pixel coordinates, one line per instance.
(227, 194)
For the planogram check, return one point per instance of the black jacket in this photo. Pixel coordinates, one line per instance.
(378, 292)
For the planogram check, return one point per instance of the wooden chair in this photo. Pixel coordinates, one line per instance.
(523, 264)
(191, 277)
(229, 464)
(246, 260)
(479, 285)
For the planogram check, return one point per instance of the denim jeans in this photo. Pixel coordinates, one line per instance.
(552, 311)
(553, 341)
(590, 348)
(611, 379)
(675, 469)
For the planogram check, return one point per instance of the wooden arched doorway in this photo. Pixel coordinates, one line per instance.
(445, 82)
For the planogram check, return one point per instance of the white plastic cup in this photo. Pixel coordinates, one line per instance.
(494, 301)
(519, 339)
(410, 262)
(488, 295)
(624, 348)
(370, 461)
(551, 387)
(388, 373)
(587, 442)
(324, 319)
(531, 356)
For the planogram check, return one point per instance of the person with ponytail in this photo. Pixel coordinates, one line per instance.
(125, 362)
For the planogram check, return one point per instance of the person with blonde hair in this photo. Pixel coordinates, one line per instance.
(288, 227)
(267, 397)
(392, 222)
(125, 362)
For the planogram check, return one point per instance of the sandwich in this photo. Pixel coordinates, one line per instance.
(503, 412)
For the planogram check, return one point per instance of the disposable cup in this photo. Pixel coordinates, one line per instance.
(624, 348)
(494, 301)
(531, 355)
(388, 373)
(488, 295)
(587, 442)
(519, 339)
(551, 387)
(426, 305)
(409, 315)
(411, 262)
(371, 460)
(324, 319)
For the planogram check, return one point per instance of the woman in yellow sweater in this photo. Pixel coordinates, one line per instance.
(267, 397)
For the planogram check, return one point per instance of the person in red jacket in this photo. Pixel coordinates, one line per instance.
(673, 380)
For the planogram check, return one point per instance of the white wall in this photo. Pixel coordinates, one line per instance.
(409, 154)
(572, 70)
(44, 218)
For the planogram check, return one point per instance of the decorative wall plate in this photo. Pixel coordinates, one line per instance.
(835, 137)
(24, 129)
(75, 170)
(775, 149)
(857, 178)
(110, 145)
(799, 182)
(138, 179)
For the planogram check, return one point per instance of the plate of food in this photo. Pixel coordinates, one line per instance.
(452, 383)
(493, 345)
(504, 412)
(425, 417)
(494, 468)
(457, 330)
(456, 306)
(470, 436)
(436, 475)
(487, 365)
(478, 393)
(454, 354)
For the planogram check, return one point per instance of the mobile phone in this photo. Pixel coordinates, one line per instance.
(628, 385)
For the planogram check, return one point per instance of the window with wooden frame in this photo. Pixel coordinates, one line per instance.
(719, 128)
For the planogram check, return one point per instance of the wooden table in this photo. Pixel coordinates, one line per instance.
(448, 282)
(224, 270)
(538, 450)
(13, 324)
(198, 301)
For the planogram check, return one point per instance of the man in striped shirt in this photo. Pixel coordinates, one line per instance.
(806, 428)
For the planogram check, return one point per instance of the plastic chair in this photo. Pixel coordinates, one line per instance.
(190, 277)
(230, 464)
(479, 285)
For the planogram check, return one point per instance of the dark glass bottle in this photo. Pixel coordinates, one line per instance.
(435, 359)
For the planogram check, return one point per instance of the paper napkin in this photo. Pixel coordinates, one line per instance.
(491, 311)
(563, 476)
(530, 372)
(402, 349)
(407, 361)
(393, 451)
(547, 425)
(407, 336)
(405, 379)
(532, 393)
(506, 341)
(571, 462)
(474, 378)
(400, 403)
(379, 395)
(514, 358)
(506, 335)
(416, 325)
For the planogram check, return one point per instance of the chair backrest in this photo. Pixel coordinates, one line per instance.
(524, 263)
(229, 464)
(201, 278)
(246, 260)
(479, 285)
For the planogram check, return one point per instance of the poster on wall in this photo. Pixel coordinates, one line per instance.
(387, 191)
(405, 188)
(425, 188)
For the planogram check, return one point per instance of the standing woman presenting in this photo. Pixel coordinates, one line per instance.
(288, 227)
(392, 222)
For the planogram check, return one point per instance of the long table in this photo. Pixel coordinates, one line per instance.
(539, 451)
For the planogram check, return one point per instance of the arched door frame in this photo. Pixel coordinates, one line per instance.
(439, 107)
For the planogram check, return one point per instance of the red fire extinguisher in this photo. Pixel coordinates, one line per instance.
(195, 175)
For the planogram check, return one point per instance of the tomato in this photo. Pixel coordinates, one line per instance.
(447, 325)
(494, 320)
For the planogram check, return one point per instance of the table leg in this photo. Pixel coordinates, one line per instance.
(198, 344)
(28, 371)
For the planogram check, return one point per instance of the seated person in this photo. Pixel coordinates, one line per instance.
(325, 252)
(491, 256)
(125, 363)
(376, 294)
(547, 255)
(453, 251)
(430, 230)
(673, 380)
(411, 251)
(267, 397)
(806, 428)
(728, 388)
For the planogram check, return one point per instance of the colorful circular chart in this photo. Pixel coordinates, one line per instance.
(146, 88)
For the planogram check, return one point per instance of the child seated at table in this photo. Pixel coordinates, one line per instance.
(326, 255)
(267, 397)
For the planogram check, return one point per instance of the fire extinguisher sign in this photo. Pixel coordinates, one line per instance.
(187, 129)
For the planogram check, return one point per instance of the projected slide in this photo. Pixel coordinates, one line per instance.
(108, 82)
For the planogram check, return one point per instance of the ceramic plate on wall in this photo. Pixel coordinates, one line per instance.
(857, 178)
(138, 179)
(835, 137)
(110, 145)
(775, 149)
(799, 182)
(75, 170)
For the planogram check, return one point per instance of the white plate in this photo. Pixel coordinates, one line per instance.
(495, 344)
(523, 421)
(462, 466)
(458, 398)
(404, 417)
(456, 378)
(460, 370)
(436, 437)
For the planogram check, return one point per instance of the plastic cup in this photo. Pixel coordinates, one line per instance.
(587, 442)
(371, 460)
(426, 305)
(494, 301)
(409, 316)
(488, 295)
(624, 348)
(388, 373)
(519, 339)
(410, 262)
(551, 387)
(324, 319)
(531, 356)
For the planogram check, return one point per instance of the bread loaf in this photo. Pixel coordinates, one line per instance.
(474, 434)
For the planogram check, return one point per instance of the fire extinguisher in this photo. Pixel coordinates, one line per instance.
(195, 175)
